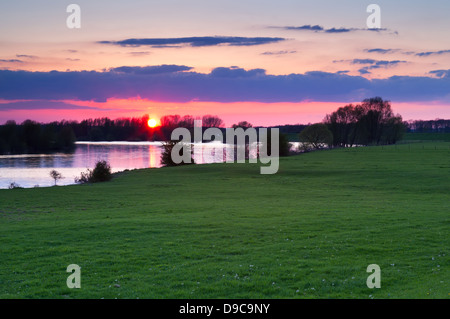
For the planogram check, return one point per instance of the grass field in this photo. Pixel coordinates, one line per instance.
(412, 137)
(225, 231)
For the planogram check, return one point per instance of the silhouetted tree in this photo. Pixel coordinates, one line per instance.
(371, 122)
(212, 121)
(56, 175)
(242, 124)
(316, 136)
(100, 173)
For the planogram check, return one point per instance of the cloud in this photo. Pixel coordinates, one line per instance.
(432, 53)
(441, 73)
(382, 51)
(141, 53)
(278, 52)
(363, 71)
(26, 56)
(372, 64)
(224, 84)
(318, 28)
(235, 72)
(193, 41)
(42, 104)
(11, 61)
(155, 69)
(306, 27)
(419, 54)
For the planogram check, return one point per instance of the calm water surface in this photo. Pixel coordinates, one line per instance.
(33, 170)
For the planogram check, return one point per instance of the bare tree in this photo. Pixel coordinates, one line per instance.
(212, 121)
(56, 175)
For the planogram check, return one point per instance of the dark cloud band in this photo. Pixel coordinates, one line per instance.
(233, 84)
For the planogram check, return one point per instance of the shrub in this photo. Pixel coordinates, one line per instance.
(101, 173)
(14, 185)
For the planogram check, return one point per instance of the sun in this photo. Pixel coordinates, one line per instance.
(152, 123)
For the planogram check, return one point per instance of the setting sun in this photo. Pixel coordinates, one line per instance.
(152, 123)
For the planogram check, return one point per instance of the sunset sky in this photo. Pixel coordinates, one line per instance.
(267, 62)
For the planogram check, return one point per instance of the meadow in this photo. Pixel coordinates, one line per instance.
(225, 231)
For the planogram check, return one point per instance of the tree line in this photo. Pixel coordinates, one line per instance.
(432, 126)
(371, 122)
(32, 137)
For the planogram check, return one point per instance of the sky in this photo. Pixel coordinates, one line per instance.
(266, 62)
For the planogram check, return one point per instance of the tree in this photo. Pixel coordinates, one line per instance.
(212, 121)
(56, 175)
(371, 122)
(242, 124)
(166, 155)
(283, 143)
(316, 136)
(100, 173)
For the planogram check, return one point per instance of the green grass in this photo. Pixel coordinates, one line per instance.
(225, 231)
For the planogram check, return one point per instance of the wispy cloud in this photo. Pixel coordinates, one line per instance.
(371, 64)
(11, 61)
(382, 51)
(140, 53)
(26, 56)
(433, 53)
(419, 54)
(318, 28)
(194, 41)
(283, 52)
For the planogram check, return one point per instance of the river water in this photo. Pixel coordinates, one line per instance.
(33, 170)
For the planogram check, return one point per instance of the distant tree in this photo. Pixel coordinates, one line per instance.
(212, 121)
(343, 124)
(31, 133)
(56, 175)
(393, 130)
(242, 124)
(186, 121)
(371, 122)
(170, 121)
(316, 136)
(66, 138)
